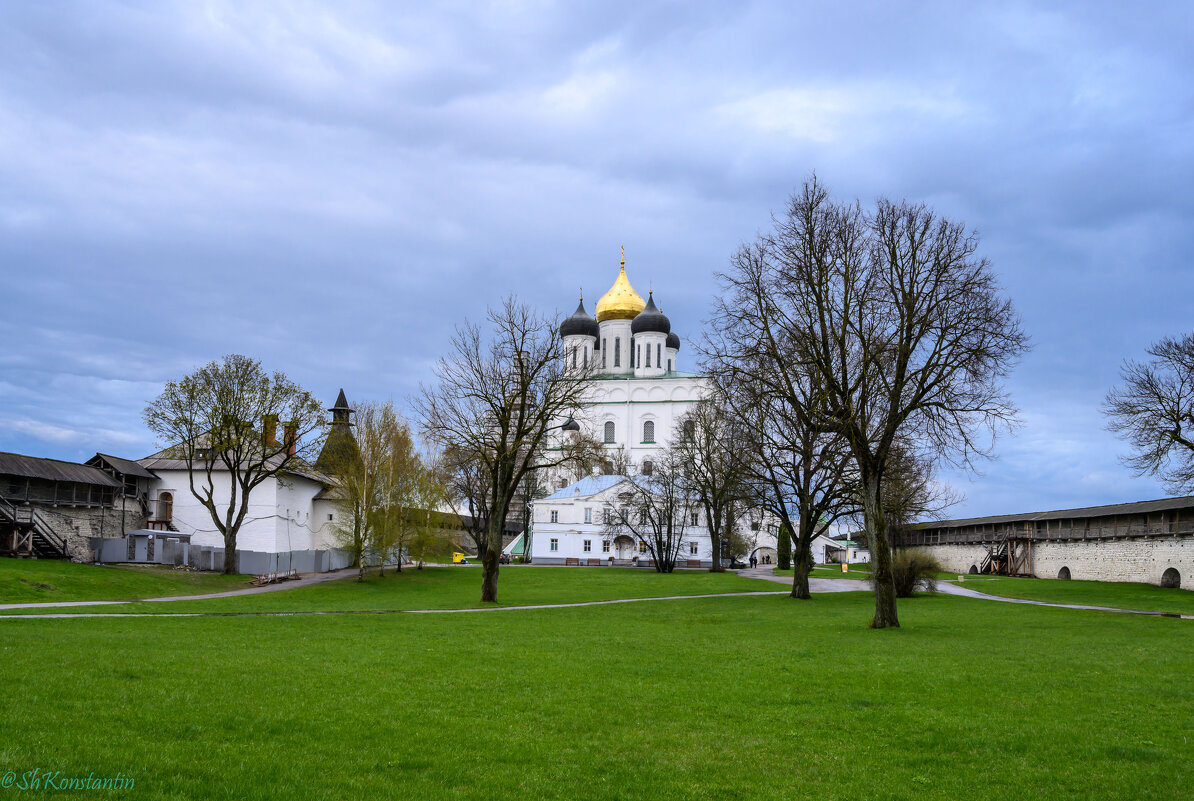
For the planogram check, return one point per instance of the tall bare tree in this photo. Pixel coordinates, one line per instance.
(797, 470)
(221, 420)
(497, 397)
(1154, 412)
(902, 332)
(712, 446)
(654, 510)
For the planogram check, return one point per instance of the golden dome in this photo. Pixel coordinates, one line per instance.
(621, 302)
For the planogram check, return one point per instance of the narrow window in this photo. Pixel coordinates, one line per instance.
(692, 548)
(555, 544)
(573, 357)
(555, 515)
(649, 431)
(648, 355)
(638, 355)
(609, 433)
(606, 516)
(658, 355)
(669, 365)
(642, 546)
(588, 546)
(648, 467)
(605, 546)
(588, 515)
(617, 351)
(604, 350)
(642, 517)
(586, 355)
(693, 517)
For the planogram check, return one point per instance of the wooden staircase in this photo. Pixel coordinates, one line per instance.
(24, 532)
(1011, 555)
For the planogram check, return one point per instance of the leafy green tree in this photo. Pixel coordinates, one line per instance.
(221, 420)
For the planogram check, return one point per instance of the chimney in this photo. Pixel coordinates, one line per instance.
(269, 430)
(290, 437)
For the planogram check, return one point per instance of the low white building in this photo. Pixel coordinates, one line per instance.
(291, 519)
(570, 527)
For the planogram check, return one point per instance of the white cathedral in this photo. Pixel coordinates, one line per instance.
(637, 396)
(634, 403)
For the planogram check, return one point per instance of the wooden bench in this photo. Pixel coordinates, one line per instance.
(571, 561)
(596, 562)
(694, 563)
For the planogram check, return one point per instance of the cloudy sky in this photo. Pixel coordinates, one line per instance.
(331, 187)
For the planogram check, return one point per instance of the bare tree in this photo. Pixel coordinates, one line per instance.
(497, 398)
(1154, 412)
(222, 419)
(797, 470)
(902, 332)
(655, 511)
(712, 447)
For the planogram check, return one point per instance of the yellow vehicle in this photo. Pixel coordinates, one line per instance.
(457, 558)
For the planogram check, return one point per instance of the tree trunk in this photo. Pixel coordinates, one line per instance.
(802, 558)
(783, 548)
(490, 560)
(876, 527)
(231, 560)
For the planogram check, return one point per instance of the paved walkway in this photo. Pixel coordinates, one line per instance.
(946, 587)
(766, 573)
(67, 615)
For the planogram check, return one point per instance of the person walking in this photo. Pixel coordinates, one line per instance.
(754, 561)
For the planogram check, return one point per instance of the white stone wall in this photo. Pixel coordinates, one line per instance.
(259, 532)
(1141, 559)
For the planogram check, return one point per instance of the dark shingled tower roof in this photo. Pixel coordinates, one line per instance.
(651, 319)
(579, 323)
(340, 451)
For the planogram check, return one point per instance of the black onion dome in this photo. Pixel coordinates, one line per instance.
(651, 319)
(673, 341)
(580, 323)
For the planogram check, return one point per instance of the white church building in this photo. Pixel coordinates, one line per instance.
(634, 404)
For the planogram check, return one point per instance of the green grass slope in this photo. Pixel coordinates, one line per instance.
(48, 580)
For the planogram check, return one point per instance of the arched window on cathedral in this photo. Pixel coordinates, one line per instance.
(669, 365)
(609, 433)
(638, 355)
(617, 351)
(658, 355)
(648, 355)
(649, 431)
(604, 350)
(573, 357)
(648, 467)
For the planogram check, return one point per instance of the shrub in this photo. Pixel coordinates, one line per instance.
(914, 569)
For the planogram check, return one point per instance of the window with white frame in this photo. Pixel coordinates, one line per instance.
(588, 545)
(692, 548)
(642, 546)
(607, 516)
(555, 515)
(588, 514)
(694, 518)
(555, 544)
(605, 546)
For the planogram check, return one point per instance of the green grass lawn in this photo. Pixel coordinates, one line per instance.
(718, 698)
(47, 580)
(459, 587)
(1123, 595)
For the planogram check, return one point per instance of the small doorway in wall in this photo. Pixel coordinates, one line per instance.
(165, 506)
(1171, 578)
(623, 547)
(1064, 574)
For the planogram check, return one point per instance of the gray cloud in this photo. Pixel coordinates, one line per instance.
(332, 189)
